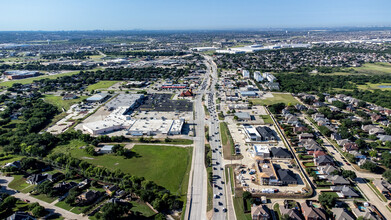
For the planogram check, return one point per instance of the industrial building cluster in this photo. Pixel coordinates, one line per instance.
(120, 108)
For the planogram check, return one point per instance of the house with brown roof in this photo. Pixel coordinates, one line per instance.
(260, 212)
(350, 146)
(87, 197)
(312, 213)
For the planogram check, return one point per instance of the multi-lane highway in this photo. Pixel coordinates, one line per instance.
(197, 191)
(197, 199)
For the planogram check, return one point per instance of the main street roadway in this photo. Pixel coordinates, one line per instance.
(197, 191)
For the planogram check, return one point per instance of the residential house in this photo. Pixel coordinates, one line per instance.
(266, 133)
(312, 213)
(300, 107)
(292, 120)
(338, 180)
(36, 179)
(20, 216)
(293, 214)
(286, 177)
(316, 153)
(306, 136)
(281, 153)
(324, 160)
(382, 185)
(344, 191)
(326, 169)
(350, 146)
(110, 189)
(15, 164)
(87, 197)
(54, 177)
(260, 212)
(64, 186)
(366, 213)
(377, 118)
(372, 129)
(342, 142)
(83, 184)
(384, 138)
(341, 214)
(299, 129)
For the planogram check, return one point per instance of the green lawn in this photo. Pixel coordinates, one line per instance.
(44, 198)
(142, 208)
(226, 139)
(64, 205)
(18, 183)
(66, 104)
(374, 68)
(276, 209)
(101, 85)
(266, 119)
(277, 98)
(165, 165)
(9, 158)
(239, 209)
(373, 86)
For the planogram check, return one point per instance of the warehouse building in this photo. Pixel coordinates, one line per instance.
(99, 97)
(156, 126)
(20, 74)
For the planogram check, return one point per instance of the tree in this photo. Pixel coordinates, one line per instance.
(324, 130)
(38, 211)
(368, 165)
(373, 153)
(160, 216)
(112, 211)
(349, 174)
(90, 150)
(387, 175)
(247, 195)
(327, 199)
(8, 202)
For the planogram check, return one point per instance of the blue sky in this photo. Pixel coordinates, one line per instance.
(185, 14)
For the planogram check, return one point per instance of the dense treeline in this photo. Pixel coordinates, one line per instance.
(85, 78)
(296, 83)
(38, 66)
(23, 136)
(72, 55)
(146, 53)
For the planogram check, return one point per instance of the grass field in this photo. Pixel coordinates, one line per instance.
(66, 104)
(142, 208)
(277, 98)
(373, 86)
(18, 183)
(101, 85)
(167, 166)
(239, 209)
(266, 119)
(44, 198)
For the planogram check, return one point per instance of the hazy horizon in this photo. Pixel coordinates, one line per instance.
(88, 15)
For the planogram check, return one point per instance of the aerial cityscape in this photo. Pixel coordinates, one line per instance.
(151, 110)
